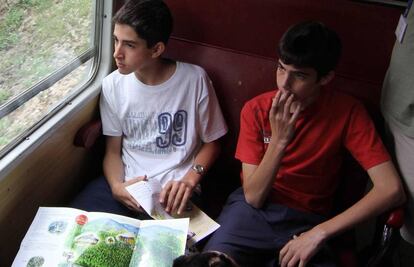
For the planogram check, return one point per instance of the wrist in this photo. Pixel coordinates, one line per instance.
(277, 145)
(192, 178)
(114, 185)
(198, 169)
(321, 234)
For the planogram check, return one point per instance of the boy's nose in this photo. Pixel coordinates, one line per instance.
(286, 82)
(117, 52)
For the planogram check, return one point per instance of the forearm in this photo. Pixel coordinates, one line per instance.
(387, 192)
(368, 207)
(113, 169)
(257, 185)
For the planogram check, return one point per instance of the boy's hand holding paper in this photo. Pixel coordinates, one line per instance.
(147, 193)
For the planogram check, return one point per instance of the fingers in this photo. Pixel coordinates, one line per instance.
(294, 253)
(287, 257)
(122, 195)
(282, 104)
(275, 102)
(171, 197)
(132, 204)
(296, 112)
(178, 202)
(136, 180)
(282, 254)
(136, 208)
(174, 196)
(276, 99)
(164, 193)
(184, 201)
(178, 198)
(287, 106)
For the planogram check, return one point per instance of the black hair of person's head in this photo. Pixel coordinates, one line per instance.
(310, 44)
(151, 20)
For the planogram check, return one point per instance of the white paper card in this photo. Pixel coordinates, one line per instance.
(401, 27)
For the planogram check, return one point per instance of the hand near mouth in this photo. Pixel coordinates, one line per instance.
(283, 115)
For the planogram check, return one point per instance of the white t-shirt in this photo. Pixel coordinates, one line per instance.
(162, 126)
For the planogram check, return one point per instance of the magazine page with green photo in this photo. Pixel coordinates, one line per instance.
(159, 242)
(71, 237)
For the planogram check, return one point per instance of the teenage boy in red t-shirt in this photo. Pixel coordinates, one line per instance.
(291, 145)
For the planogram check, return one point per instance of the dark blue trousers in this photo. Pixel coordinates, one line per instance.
(253, 236)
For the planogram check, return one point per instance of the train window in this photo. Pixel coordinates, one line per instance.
(49, 54)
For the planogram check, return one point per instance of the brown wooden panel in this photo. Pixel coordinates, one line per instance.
(46, 177)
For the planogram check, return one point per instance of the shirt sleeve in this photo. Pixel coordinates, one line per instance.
(250, 146)
(362, 139)
(111, 124)
(210, 117)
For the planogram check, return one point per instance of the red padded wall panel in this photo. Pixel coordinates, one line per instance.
(255, 26)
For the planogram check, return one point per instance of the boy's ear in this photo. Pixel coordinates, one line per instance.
(327, 78)
(158, 49)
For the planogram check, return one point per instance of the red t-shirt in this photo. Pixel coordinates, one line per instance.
(308, 176)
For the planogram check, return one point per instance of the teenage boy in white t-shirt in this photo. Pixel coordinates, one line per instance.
(161, 118)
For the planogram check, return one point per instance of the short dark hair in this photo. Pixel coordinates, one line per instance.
(205, 259)
(310, 45)
(151, 20)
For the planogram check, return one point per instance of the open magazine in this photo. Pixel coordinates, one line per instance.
(147, 194)
(72, 237)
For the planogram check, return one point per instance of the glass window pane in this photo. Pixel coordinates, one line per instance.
(38, 37)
